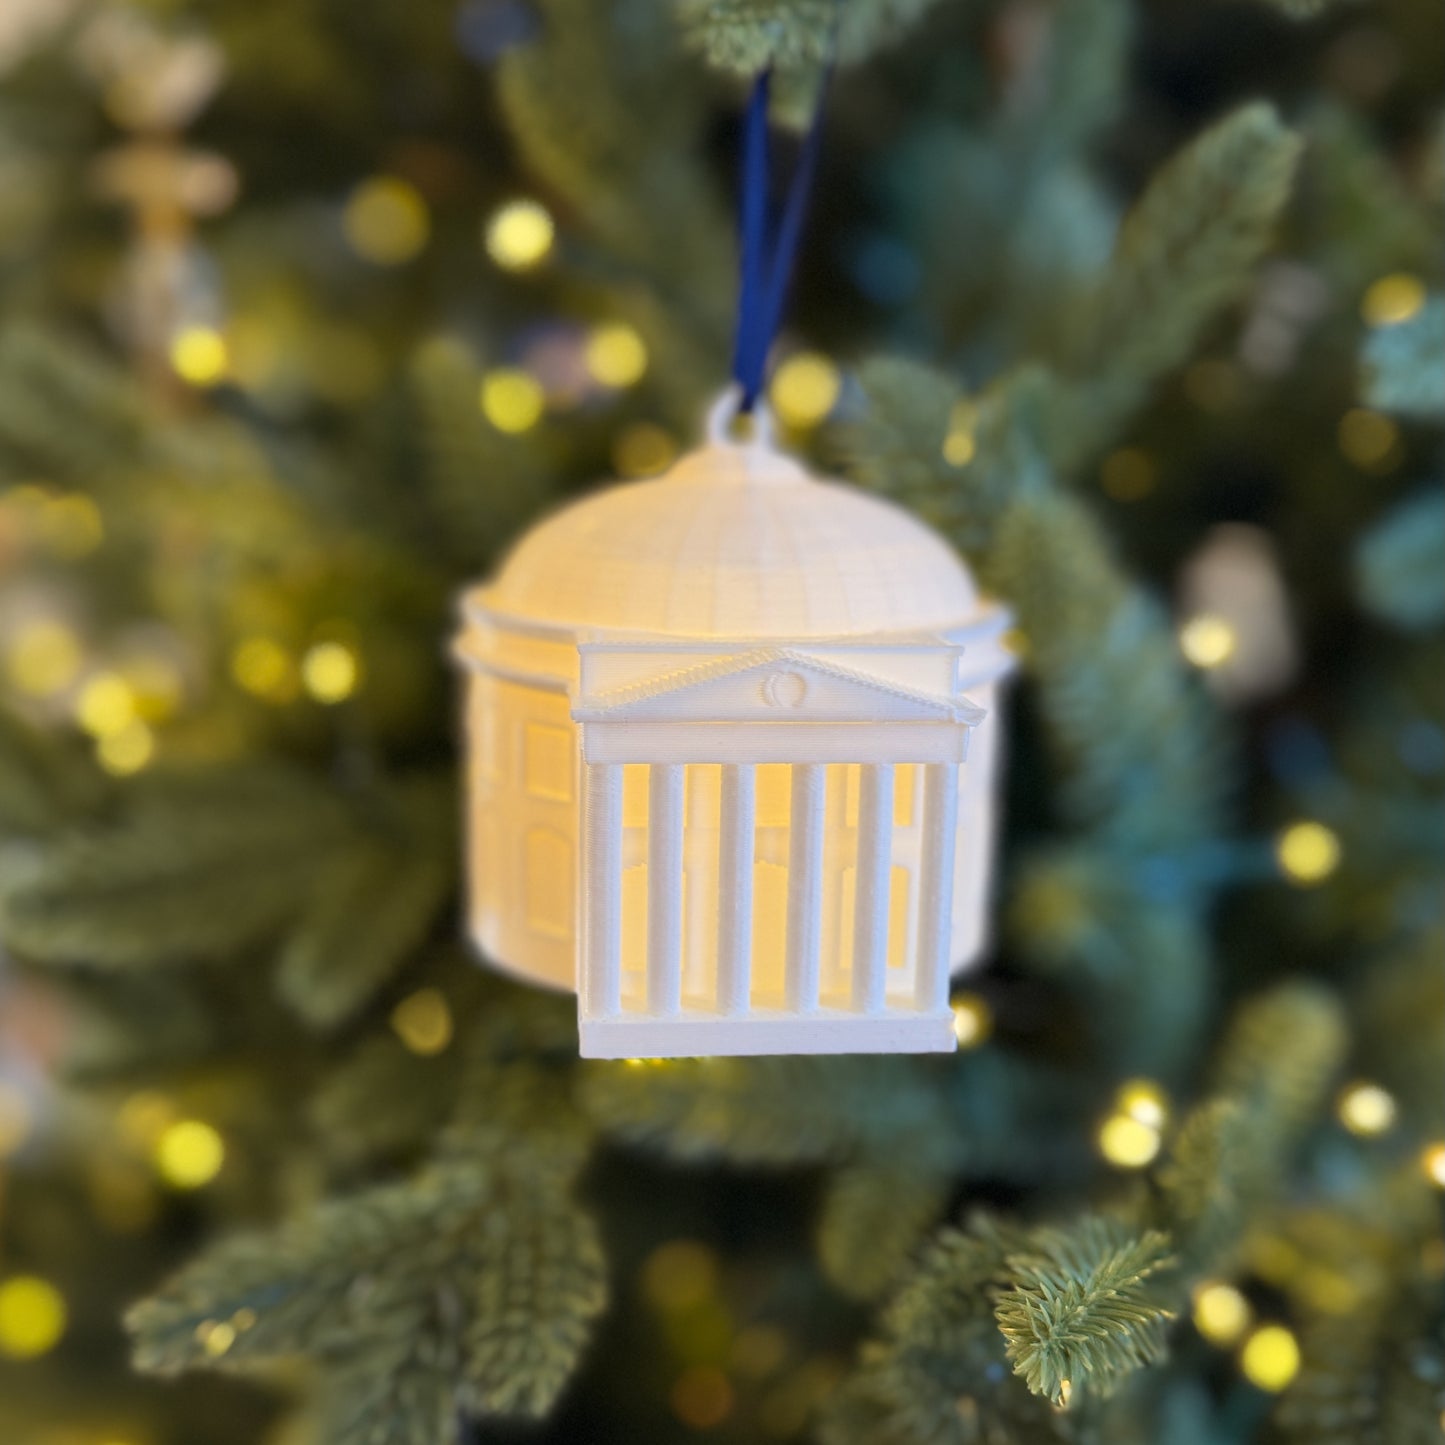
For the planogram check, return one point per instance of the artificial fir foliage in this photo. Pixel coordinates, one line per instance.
(1094, 277)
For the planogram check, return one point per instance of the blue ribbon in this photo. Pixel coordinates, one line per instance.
(767, 260)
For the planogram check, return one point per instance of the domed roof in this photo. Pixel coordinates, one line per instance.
(735, 541)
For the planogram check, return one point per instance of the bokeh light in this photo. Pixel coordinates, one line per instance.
(127, 750)
(1369, 439)
(616, 355)
(1392, 299)
(265, 669)
(1128, 474)
(679, 1274)
(32, 1317)
(386, 221)
(805, 389)
(1432, 1161)
(330, 672)
(106, 705)
(1221, 1313)
(702, 1398)
(643, 450)
(519, 235)
(1270, 1358)
(1126, 1142)
(1366, 1109)
(1207, 641)
(189, 1154)
(43, 657)
(512, 399)
(1307, 852)
(199, 355)
(1145, 1101)
(972, 1019)
(423, 1022)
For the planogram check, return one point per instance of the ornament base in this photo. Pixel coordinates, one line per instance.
(826, 1031)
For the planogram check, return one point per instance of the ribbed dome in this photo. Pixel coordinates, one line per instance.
(736, 541)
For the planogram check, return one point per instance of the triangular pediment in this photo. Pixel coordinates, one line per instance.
(772, 685)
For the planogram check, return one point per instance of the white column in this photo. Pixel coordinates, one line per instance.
(664, 888)
(935, 886)
(602, 891)
(735, 888)
(805, 885)
(870, 917)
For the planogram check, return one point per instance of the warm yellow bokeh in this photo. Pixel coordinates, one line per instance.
(1207, 641)
(616, 355)
(32, 1317)
(1392, 299)
(1221, 1313)
(1366, 1109)
(189, 1154)
(423, 1022)
(519, 235)
(1128, 1143)
(1270, 1358)
(330, 672)
(805, 389)
(199, 355)
(512, 399)
(386, 221)
(1307, 852)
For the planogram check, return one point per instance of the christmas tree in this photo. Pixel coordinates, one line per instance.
(308, 310)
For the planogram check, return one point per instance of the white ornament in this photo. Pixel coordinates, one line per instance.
(717, 728)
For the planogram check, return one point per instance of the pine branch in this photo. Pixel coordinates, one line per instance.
(874, 1214)
(746, 36)
(43, 784)
(1404, 365)
(1081, 1312)
(1400, 563)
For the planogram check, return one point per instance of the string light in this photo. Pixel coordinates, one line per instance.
(127, 750)
(1368, 438)
(1126, 1142)
(330, 672)
(43, 658)
(511, 399)
(1128, 474)
(386, 221)
(972, 1020)
(1366, 1109)
(643, 450)
(1392, 299)
(1270, 1358)
(32, 1317)
(189, 1154)
(215, 1337)
(959, 448)
(519, 235)
(1221, 1313)
(265, 669)
(805, 389)
(1432, 1161)
(1307, 853)
(199, 355)
(423, 1022)
(1207, 641)
(615, 355)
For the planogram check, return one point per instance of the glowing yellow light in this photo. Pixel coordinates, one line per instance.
(1366, 1109)
(126, 751)
(1207, 641)
(215, 1337)
(189, 1154)
(1393, 299)
(1307, 852)
(1066, 1393)
(199, 355)
(264, 668)
(15, 1119)
(423, 1022)
(1270, 1358)
(1432, 1161)
(511, 399)
(643, 450)
(1143, 1100)
(32, 1317)
(805, 389)
(679, 1274)
(330, 671)
(106, 705)
(1128, 474)
(702, 1397)
(72, 526)
(43, 657)
(959, 448)
(616, 355)
(1126, 1142)
(1221, 1313)
(972, 1020)
(1368, 438)
(519, 235)
(386, 221)
(155, 687)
